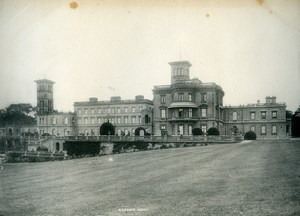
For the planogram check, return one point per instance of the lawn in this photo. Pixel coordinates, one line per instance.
(248, 178)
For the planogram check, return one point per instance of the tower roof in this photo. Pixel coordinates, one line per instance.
(180, 63)
(44, 81)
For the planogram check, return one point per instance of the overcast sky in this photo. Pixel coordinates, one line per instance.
(103, 49)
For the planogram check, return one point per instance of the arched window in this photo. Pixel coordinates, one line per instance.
(234, 116)
(54, 120)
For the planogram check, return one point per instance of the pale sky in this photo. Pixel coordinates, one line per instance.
(105, 48)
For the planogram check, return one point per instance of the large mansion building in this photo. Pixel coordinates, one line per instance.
(176, 109)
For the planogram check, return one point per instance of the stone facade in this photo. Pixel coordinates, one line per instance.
(125, 115)
(267, 120)
(186, 103)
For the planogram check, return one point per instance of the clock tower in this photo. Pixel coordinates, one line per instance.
(44, 96)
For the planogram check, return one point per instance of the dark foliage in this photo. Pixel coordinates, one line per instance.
(197, 132)
(250, 135)
(75, 148)
(122, 147)
(21, 114)
(138, 130)
(107, 129)
(213, 131)
(296, 123)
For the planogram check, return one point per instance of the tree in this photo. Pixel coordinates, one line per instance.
(213, 131)
(288, 114)
(22, 114)
(296, 123)
(197, 132)
(138, 131)
(107, 129)
(235, 130)
(250, 135)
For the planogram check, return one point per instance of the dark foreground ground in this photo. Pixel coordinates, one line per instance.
(249, 178)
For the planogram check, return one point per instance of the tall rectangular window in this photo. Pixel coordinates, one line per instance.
(79, 111)
(263, 129)
(274, 129)
(140, 119)
(163, 113)
(85, 111)
(234, 116)
(274, 114)
(133, 109)
(93, 120)
(263, 114)
(108, 110)
(93, 110)
(190, 113)
(85, 120)
(252, 115)
(133, 120)
(126, 119)
(190, 129)
(163, 99)
(190, 97)
(141, 109)
(204, 128)
(99, 110)
(99, 120)
(203, 97)
(180, 113)
(125, 109)
(252, 128)
(180, 97)
(118, 120)
(118, 110)
(203, 112)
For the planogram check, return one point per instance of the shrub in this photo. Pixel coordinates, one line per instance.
(213, 131)
(107, 129)
(138, 130)
(250, 135)
(197, 132)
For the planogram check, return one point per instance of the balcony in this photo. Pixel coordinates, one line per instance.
(172, 119)
(183, 104)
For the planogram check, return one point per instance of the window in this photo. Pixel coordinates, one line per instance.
(141, 109)
(190, 113)
(163, 99)
(234, 116)
(118, 110)
(252, 115)
(54, 121)
(85, 111)
(126, 119)
(108, 110)
(105, 110)
(204, 128)
(79, 111)
(190, 129)
(163, 113)
(133, 109)
(252, 128)
(118, 120)
(263, 129)
(133, 120)
(66, 120)
(203, 97)
(99, 120)
(263, 115)
(93, 120)
(79, 120)
(180, 130)
(163, 127)
(274, 114)
(274, 129)
(140, 119)
(203, 112)
(113, 110)
(93, 110)
(99, 110)
(180, 97)
(125, 109)
(85, 120)
(180, 113)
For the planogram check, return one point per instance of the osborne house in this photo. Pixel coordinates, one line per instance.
(176, 109)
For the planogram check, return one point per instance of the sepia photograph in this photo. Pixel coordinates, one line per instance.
(149, 107)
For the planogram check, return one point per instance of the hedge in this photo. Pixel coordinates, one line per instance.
(250, 135)
(82, 148)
